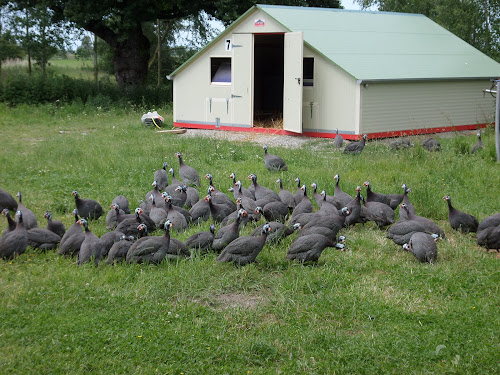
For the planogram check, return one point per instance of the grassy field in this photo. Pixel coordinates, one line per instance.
(71, 67)
(371, 309)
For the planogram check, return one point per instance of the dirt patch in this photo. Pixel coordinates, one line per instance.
(234, 300)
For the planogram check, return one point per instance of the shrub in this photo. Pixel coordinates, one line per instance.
(35, 89)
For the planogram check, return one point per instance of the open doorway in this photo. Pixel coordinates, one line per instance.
(268, 80)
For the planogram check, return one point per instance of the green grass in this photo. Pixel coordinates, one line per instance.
(371, 309)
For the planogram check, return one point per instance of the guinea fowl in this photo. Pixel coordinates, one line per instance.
(406, 200)
(153, 249)
(317, 196)
(227, 234)
(490, 221)
(43, 239)
(489, 238)
(478, 146)
(217, 211)
(308, 248)
(179, 195)
(11, 223)
(392, 200)
(354, 207)
(305, 205)
(339, 140)
(29, 218)
(108, 239)
(273, 211)
(177, 219)
(187, 173)
(113, 216)
(423, 247)
(73, 229)
(157, 214)
(400, 143)
(91, 246)
(244, 250)
(459, 220)
(54, 225)
(327, 232)
(487, 231)
(248, 204)
(244, 220)
(261, 192)
(428, 224)
(119, 250)
(354, 148)
(246, 192)
(299, 193)
(175, 182)
(430, 144)
(327, 206)
(285, 196)
(221, 198)
(273, 163)
(333, 222)
(341, 198)
(161, 176)
(122, 201)
(129, 226)
(380, 213)
(201, 241)
(402, 231)
(87, 208)
(277, 232)
(200, 212)
(192, 196)
(7, 201)
(183, 211)
(15, 242)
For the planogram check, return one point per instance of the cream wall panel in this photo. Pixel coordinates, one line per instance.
(418, 105)
(333, 98)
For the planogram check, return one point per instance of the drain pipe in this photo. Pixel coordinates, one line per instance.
(497, 119)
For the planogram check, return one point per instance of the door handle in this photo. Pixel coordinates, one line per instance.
(298, 80)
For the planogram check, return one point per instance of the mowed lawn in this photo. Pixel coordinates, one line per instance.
(371, 309)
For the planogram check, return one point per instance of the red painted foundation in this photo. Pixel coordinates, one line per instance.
(399, 133)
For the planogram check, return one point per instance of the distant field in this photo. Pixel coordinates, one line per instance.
(72, 67)
(369, 310)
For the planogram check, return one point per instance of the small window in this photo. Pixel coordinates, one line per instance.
(308, 71)
(220, 70)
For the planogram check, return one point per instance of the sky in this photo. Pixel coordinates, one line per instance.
(350, 4)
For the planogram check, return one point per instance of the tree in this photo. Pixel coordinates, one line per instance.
(120, 23)
(38, 34)
(9, 49)
(475, 21)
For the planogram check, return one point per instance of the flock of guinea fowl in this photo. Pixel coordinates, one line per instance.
(177, 205)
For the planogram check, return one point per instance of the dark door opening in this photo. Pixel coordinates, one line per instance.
(268, 80)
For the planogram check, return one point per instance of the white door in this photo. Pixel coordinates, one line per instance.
(241, 79)
(292, 87)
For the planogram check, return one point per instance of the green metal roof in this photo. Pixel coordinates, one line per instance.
(382, 45)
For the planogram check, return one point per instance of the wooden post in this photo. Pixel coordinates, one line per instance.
(159, 52)
(497, 121)
(96, 69)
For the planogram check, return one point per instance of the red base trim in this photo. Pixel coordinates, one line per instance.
(398, 133)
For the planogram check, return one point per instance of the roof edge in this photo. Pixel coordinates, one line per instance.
(217, 38)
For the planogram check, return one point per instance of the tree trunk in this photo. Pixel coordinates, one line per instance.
(130, 58)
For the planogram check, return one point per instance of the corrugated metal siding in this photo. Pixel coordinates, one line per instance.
(387, 107)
